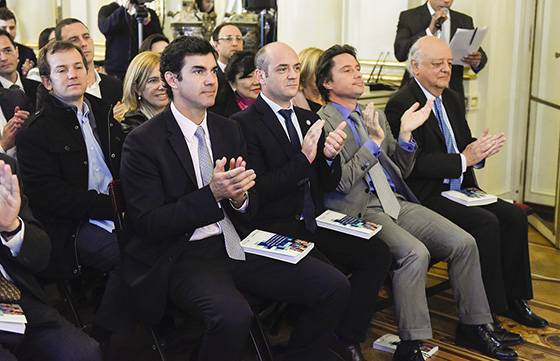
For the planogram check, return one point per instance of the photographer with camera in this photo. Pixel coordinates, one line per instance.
(119, 22)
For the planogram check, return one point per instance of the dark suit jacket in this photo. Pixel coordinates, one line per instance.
(433, 163)
(111, 89)
(281, 171)
(30, 89)
(35, 251)
(121, 35)
(10, 98)
(164, 205)
(25, 53)
(412, 26)
(225, 104)
(53, 161)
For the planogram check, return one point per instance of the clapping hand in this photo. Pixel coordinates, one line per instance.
(486, 146)
(10, 200)
(374, 129)
(233, 183)
(8, 139)
(335, 141)
(413, 118)
(309, 145)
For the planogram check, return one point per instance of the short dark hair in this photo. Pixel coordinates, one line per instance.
(52, 48)
(151, 40)
(44, 36)
(172, 58)
(7, 34)
(241, 63)
(7, 14)
(64, 22)
(325, 64)
(217, 29)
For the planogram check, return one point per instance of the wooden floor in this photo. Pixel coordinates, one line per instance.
(541, 344)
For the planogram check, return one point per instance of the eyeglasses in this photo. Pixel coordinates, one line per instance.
(230, 38)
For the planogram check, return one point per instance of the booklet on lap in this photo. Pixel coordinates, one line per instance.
(283, 248)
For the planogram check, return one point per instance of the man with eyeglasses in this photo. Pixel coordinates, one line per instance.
(227, 40)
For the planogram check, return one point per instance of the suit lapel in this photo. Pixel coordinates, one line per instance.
(432, 122)
(271, 121)
(179, 145)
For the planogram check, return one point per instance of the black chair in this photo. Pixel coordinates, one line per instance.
(260, 308)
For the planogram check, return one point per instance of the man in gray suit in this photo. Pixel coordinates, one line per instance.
(372, 187)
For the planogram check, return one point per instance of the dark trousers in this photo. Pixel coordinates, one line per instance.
(500, 230)
(367, 260)
(48, 337)
(205, 279)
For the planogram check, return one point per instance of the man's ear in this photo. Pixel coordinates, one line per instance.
(261, 76)
(327, 84)
(46, 81)
(171, 80)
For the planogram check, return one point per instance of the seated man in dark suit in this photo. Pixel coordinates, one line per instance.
(186, 184)
(14, 111)
(435, 18)
(227, 40)
(27, 58)
(447, 154)
(68, 155)
(294, 164)
(24, 251)
(9, 76)
(107, 88)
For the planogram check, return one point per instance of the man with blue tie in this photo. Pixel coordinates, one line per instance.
(372, 187)
(294, 164)
(446, 160)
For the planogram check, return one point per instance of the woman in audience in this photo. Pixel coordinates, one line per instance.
(44, 37)
(155, 42)
(144, 94)
(240, 73)
(308, 96)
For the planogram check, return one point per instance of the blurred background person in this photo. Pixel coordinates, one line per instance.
(308, 96)
(27, 58)
(240, 73)
(46, 35)
(155, 43)
(144, 92)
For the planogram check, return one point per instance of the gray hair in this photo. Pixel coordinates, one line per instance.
(262, 60)
(415, 53)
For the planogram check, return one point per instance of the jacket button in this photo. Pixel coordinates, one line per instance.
(76, 127)
(113, 155)
(67, 148)
(366, 190)
(110, 124)
(85, 162)
(75, 271)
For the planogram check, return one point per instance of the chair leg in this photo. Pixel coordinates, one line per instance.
(156, 345)
(67, 295)
(260, 341)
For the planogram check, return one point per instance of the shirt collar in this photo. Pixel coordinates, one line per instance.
(95, 84)
(432, 11)
(428, 95)
(345, 112)
(6, 83)
(275, 107)
(188, 127)
(221, 65)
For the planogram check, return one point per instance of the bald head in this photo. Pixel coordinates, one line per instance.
(278, 69)
(429, 61)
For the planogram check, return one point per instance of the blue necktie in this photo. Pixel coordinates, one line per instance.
(450, 143)
(308, 205)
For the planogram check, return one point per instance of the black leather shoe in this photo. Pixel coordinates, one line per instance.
(348, 353)
(408, 351)
(504, 336)
(520, 312)
(482, 338)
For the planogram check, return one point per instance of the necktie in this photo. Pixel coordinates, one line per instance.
(308, 205)
(450, 144)
(9, 292)
(231, 237)
(384, 192)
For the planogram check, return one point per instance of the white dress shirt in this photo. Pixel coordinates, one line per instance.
(188, 128)
(275, 108)
(14, 244)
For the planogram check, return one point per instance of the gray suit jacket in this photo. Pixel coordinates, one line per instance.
(352, 195)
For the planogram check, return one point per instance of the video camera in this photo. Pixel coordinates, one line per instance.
(141, 14)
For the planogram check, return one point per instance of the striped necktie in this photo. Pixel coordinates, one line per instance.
(450, 143)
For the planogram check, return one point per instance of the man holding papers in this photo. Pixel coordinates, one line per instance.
(446, 156)
(436, 18)
(372, 186)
